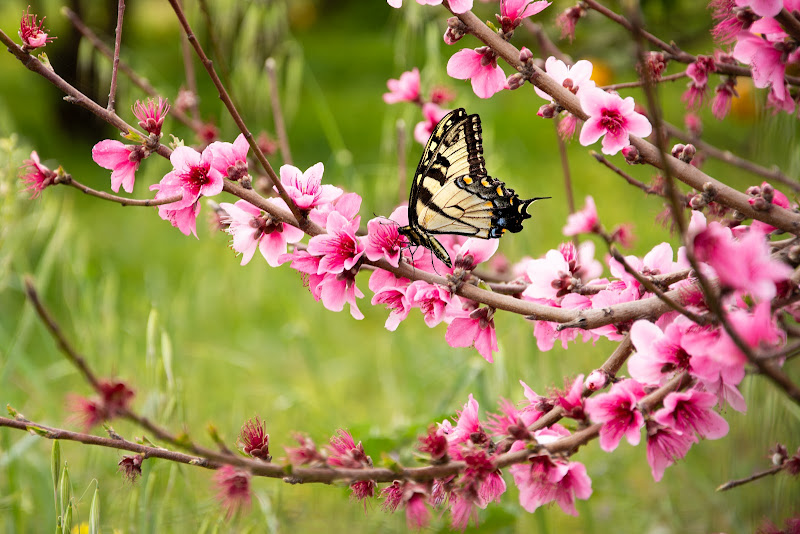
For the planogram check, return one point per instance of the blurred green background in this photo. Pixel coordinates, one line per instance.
(226, 342)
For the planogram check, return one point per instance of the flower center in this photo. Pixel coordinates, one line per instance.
(612, 121)
(197, 176)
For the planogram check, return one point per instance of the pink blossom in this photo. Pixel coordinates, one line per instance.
(764, 59)
(545, 332)
(745, 264)
(479, 66)
(192, 176)
(340, 248)
(571, 399)
(253, 229)
(520, 9)
(568, 19)
(123, 160)
(615, 293)
(612, 117)
(468, 423)
(763, 8)
(230, 159)
(233, 489)
(458, 6)
(545, 479)
(619, 414)
(336, 290)
(723, 95)
(476, 329)
(406, 89)
(584, 221)
(253, 439)
(432, 114)
(306, 453)
(664, 446)
(383, 239)
(32, 32)
(657, 261)
(661, 354)
(151, 115)
(347, 205)
(36, 175)
(691, 412)
(343, 452)
(184, 219)
(567, 126)
(395, 299)
(474, 251)
(431, 299)
(545, 275)
(305, 189)
(572, 78)
(511, 421)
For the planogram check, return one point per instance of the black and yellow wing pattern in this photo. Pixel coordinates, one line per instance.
(453, 194)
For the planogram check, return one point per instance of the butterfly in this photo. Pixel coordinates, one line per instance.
(453, 194)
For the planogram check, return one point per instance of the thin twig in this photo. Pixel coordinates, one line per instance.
(145, 202)
(631, 85)
(652, 288)
(277, 111)
(628, 178)
(728, 157)
(789, 23)
(112, 92)
(303, 221)
(126, 69)
(755, 476)
(55, 330)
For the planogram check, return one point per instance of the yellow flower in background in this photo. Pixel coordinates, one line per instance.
(744, 106)
(601, 72)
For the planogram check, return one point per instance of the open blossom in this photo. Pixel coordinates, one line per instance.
(698, 85)
(574, 78)
(36, 175)
(513, 11)
(584, 221)
(692, 412)
(763, 8)
(122, 160)
(765, 59)
(432, 114)
(664, 446)
(230, 159)
(480, 67)
(406, 89)
(32, 32)
(253, 229)
(660, 354)
(431, 299)
(383, 239)
(476, 328)
(254, 440)
(612, 118)
(340, 248)
(745, 264)
(305, 188)
(395, 299)
(151, 115)
(233, 488)
(544, 479)
(618, 412)
(192, 176)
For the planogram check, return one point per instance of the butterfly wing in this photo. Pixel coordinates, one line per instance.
(456, 195)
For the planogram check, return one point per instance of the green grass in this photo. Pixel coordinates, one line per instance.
(241, 341)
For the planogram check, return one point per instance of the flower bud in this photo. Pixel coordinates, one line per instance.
(525, 55)
(768, 192)
(677, 150)
(631, 155)
(596, 380)
(515, 81)
(697, 202)
(753, 190)
(688, 153)
(547, 111)
(759, 204)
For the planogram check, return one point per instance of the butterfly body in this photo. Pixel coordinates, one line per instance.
(453, 194)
